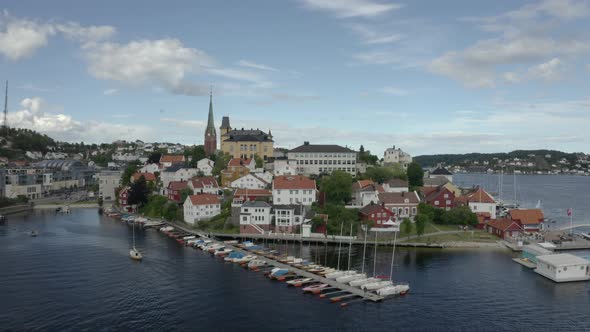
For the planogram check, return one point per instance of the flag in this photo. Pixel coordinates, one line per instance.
(569, 212)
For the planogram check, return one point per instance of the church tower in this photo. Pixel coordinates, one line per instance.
(210, 135)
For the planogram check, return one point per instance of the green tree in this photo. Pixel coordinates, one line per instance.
(221, 161)
(154, 158)
(184, 193)
(338, 187)
(338, 214)
(406, 227)
(259, 161)
(126, 177)
(415, 175)
(421, 221)
(379, 174)
(398, 171)
(461, 215)
(195, 153)
(367, 157)
(100, 202)
(139, 192)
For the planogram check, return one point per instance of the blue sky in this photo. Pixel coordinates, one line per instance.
(428, 76)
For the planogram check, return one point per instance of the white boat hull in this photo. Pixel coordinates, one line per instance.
(377, 285)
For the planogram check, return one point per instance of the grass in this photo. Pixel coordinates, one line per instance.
(478, 236)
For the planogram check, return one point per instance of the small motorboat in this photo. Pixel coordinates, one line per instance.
(397, 289)
(222, 252)
(298, 282)
(349, 278)
(135, 254)
(33, 233)
(376, 285)
(233, 256)
(245, 259)
(256, 263)
(277, 273)
(360, 282)
(314, 288)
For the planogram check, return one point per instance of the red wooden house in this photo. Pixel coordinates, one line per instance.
(441, 197)
(504, 228)
(174, 190)
(377, 214)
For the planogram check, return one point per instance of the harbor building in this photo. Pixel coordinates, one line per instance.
(315, 159)
(245, 143)
(563, 267)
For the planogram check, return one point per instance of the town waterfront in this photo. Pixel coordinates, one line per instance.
(77, 275)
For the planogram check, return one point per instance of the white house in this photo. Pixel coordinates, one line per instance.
(393, 155)
(441, 172)
(108, 182)
(201, 207)
(316, 159)
(249, 181)
(150, 168)
(404, 205)
(255, 217)
(288, 217)
(167, 160)
(285, 167)
(177, 172)
(479, 201)
(365, 192)
(204, 185)
(293, 189)
(563, 267)
(396, 186)
(206, 166)
(266, 176)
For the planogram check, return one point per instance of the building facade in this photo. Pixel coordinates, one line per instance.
(108, 182)
(245, 143)
(295, 189)
(393, 155)
(313, 159)
(201, 207)
(255, 217)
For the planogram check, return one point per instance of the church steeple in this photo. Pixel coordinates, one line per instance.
(210, 134)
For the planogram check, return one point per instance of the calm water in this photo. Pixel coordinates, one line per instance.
(76, 275)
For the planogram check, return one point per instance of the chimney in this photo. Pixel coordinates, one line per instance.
(306, 143)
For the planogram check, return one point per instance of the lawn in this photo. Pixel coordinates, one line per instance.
(477, 236)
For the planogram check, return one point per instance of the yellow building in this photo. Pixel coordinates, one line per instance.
(245, 143)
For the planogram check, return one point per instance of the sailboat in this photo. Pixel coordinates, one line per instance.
(134, 253)
(394, 289)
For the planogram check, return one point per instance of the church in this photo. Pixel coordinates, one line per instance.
(238, 143)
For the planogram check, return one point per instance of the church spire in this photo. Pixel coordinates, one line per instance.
(210, 134)
(210, 124)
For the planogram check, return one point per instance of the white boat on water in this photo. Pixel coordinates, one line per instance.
(349, 278)
(256, 263)
(186, 238)
(376, 285)
(363, 281)
(398, 289)
(298, 281)
(245, 259)
(222, 252)
(134, 253)
(335, 275)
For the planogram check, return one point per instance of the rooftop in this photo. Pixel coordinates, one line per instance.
(306, 147)
(558, 260)
(527, 216)
(293, 182)
(204, 199)
(256, 204)
(172, 158)
(399, 198)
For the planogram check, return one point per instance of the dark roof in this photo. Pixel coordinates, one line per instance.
(225, 122)
(441, 171)
(297, 208)
(320, 148)
(256, 204)
(175, 167)
(248, 135)
(397, 183)
(437, 181)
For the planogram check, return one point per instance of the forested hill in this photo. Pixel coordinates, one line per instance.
(19, 141)
(469, 158)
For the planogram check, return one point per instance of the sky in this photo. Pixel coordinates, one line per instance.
(429, 77)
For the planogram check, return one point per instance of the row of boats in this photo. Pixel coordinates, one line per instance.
(256, 257)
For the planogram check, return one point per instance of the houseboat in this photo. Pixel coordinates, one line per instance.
(563, 267)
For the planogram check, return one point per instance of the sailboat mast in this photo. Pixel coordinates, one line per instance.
(364, 249)
(340, 244)
(133, 234)
(375, 256)
(392, 256)
(350, 247)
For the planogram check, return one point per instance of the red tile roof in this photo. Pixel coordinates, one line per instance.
(204, 181)
(479, 196)
(204, 199)
(253, 192)
(235, 162)
(399, 198)
(426, 191)
(172, 158)
(147, 176)
(293, 182)
(527, 216)
(177, 185)
(504, 225)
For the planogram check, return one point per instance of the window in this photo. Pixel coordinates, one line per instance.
(436, 202)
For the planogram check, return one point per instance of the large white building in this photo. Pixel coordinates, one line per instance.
(201, 207)
(108, 182)
(563, 267)
(177, 172)
(293, 189)
(393, 155)
(316, 159)
(204, 185)
(255, 217)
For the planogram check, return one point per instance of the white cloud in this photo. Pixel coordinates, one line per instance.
(511, 77)
(371, 36)
(287, 97)
(109, 92)
(549, 70)
(394, 91)
(20, 38)
(351, 8)
(64, 127)
(377, 58)
(250, 64)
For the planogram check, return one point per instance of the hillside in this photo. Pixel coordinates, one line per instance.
(21, 140)
(470, 158)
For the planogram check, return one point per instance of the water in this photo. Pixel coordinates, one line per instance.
(77, 275)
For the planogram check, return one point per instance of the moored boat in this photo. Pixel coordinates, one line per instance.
(397, 289)
(349, 278)
(360, 282)
(376, 285)
(314, 288)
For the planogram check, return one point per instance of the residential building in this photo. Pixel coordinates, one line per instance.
(174, 190)
(264, 175)
(149, 177)
(150, 168)
(245, 143)
(124, 200)
(255, 217)
(108, 182)
(294, 189)
(441, 172)
(435, 181)
(285, 167)
(396, 186)
(531, 220)
(247, 195)
(249, 181)
(204, 185)
(177, 172)
(210, 134)
(167, 160)
(236, 168)
(314, 159)
(201, 207)
(393, 155)
(288, 218)
(441, 198)
(206, 166)
(377, 214)
(479, 201)
(504, 228)
(365, 192)
(404, 205)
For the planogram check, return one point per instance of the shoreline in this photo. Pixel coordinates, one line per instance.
(71, 206)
